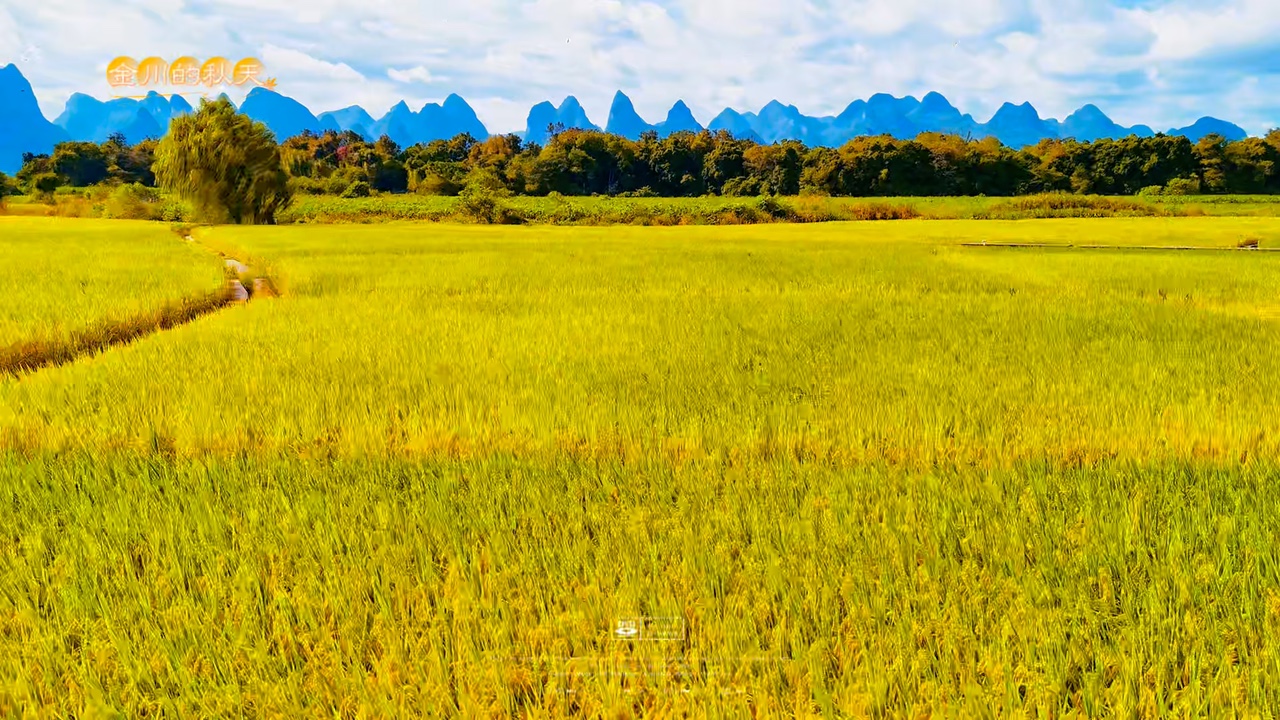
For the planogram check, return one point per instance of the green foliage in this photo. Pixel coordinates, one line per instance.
(133, 202)
(570, 210)
(1183, 186)
(356, 189)
(225, 164)
(482, 200)
(46, 182)
(80, 163)
(304, 185)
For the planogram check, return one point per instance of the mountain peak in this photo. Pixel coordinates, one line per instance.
(1025, 110)
(23, 128)
(679, 118)
(935, 101)
(11, 78)
(623, 118)
(1211, 126)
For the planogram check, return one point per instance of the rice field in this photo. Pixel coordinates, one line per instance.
(848, 470)
(60, 277)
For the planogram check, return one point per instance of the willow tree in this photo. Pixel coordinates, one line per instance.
(225, 164)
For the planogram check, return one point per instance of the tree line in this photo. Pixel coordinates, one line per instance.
(689, 164)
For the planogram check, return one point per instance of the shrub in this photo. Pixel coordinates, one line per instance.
(338, 182)
(1151, 191)
(1183, 186)
(644, 192)
(174, 210)
(133, 202)
(74, 206)
(303, 185)
(775, 208)
(357, 189)
(436, 184)
(1061, 205)
(483, 199)
(882, 211)
(45, 183)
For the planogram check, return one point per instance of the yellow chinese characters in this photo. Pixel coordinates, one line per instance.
(215, 71)
(122, 72)
(151, 71)
(186, 71)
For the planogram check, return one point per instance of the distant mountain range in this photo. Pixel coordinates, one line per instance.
(23, 128)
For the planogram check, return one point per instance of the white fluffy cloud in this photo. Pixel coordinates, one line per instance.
(1164, 64)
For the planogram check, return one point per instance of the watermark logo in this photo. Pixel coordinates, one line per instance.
(124, 73)
(653, 629)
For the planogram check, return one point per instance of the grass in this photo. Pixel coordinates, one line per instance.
(735, 211)
(589, 211)
(872, 471)
(63, 278)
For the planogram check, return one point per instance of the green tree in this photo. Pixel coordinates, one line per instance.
(81, 164)
(33, 165)
(1251, 166)
(225, 164)
(1211, 151)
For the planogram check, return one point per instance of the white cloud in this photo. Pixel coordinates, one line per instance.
(414, 74)
(285, 62)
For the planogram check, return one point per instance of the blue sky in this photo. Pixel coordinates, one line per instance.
(1162, 63)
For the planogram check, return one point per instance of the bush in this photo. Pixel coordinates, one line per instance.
(132, 202)
(881, 211)
(483, 199)
(1151, 191)
(338, 182)
(775, 208)
(644, 192)
(357, 189)
(1183, 186)
(1065, 205)
(174, 210)
(45, 183)
(436, 184)
(303, 185)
